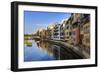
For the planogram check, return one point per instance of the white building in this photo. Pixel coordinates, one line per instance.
(56, 32)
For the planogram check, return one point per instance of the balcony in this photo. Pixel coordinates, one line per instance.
(86, 19)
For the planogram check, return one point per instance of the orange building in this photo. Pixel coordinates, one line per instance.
(76, 19)
(76, 36)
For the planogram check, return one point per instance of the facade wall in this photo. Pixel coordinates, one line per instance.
(76, 28)
(62, 29)
(76, 36)
(86, 37)
(50, 30)
(68, 31)
(56, 32)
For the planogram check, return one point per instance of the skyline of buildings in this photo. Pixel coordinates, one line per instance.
(73, 31)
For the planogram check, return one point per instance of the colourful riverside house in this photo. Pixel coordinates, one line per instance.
(86, 32)
(67, 31)
(76, 28)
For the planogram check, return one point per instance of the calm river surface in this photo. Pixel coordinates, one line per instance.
(45, 51)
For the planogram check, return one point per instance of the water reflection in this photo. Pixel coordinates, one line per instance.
(38, 51)
(43, 50)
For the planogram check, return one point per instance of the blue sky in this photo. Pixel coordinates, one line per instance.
(38, 20)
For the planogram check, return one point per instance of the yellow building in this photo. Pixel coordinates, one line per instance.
(86, 36)
(85, 31)
(50, 30)
(43, 34)
(67, 31)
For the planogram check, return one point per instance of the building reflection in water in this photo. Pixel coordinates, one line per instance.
(43, 50)
(49, 48)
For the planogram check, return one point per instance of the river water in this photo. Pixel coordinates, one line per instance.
(45, 51)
